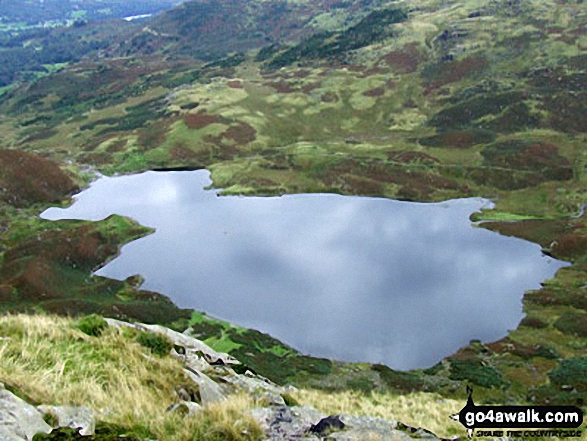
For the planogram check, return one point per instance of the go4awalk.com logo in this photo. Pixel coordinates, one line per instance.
(516, 421)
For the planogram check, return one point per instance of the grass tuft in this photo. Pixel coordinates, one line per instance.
(158, 344)
(92, 325)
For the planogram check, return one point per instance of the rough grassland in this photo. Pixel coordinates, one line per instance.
(416, 410)
(47, 360)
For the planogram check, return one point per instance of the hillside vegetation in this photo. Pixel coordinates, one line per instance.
(46, 359)
(414, 100)
(50, 360)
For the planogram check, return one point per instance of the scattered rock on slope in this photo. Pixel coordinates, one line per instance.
(73, 417)
(282, 423)
(211, 371)
(213, 379)
(18, 419)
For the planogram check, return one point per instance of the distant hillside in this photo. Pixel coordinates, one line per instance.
(209, 29)
(33, 52)
(201, 29)
(30, 12)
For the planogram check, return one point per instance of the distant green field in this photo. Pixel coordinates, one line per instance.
(55, 67)
(78, 14)
(6, 89)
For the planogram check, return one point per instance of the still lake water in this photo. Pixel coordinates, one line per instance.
(349, 278)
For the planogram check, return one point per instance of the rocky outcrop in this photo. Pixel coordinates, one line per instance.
(214, 378)
(282, 423)
(210, 377)
(18, 419)
(190, 348)
(287, 423)
(212, 373)
(80, 418)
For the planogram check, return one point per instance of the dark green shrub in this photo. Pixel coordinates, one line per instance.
(572, 323)
(61, 434)
(570, 372)
(433, 370)
(51, 419)
(108, 431)
(159, 344)
(546, 351)
(474, 371)
(550, 395)
(312, 365)
(206, 330)
(241, 369)
(362, 384)
(402, 381)
(92, 325)
(533, 322)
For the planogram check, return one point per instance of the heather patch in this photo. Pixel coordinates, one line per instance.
(235, 84)
(448, 72)
(406, 60)
(525, 154)
(196, 121)
(28, 179)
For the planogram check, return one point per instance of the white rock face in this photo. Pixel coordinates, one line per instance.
(201, 362)
(210, 391)
(18, 419)
(190, 344)
(74, 417)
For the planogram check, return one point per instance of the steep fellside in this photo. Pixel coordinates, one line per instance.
(209, 29)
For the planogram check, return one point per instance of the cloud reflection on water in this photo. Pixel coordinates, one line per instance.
(356, 279)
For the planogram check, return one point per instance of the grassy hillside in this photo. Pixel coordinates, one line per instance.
(26, 55)
(46, 359)
(416, 100)
(50, 360)
(209, 29)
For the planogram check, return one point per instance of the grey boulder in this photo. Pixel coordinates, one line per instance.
(74, 417)
(18, 419)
